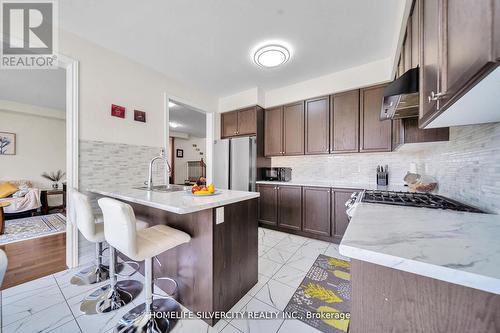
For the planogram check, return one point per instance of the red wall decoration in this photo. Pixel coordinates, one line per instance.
(117, 111)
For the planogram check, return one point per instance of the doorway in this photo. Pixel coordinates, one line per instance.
(39, 131)
(189, 134)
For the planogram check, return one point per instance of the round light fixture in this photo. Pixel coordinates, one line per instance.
(271, 56)
(173, 124)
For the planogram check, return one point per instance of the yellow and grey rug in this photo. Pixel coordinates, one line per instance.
(32, 227)
(323, 299)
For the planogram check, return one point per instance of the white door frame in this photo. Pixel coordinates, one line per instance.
(72, 162)
(72, 116)
(209, 126)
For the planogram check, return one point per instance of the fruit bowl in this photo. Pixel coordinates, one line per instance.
(204, 194)
(203, 191)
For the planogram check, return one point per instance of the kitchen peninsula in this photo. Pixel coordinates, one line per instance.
(219, 265)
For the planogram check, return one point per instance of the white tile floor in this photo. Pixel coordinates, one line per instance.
(51, 303)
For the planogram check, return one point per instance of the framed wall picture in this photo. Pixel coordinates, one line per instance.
(7, 143)
(140, 116)
(179, 153)
(117, 111)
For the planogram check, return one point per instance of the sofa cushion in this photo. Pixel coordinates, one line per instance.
(7, 189)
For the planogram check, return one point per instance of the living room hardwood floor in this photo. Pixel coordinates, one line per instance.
(34, 258)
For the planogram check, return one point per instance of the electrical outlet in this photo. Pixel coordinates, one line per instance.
(219, 215)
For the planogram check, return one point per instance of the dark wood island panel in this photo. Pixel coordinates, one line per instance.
(390, 300)
(219, 265)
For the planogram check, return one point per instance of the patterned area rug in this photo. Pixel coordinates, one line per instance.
(323, 299)
(32, 227)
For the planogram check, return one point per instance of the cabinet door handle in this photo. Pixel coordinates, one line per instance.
(435, 96)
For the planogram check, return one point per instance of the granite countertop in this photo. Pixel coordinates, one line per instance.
(457, 247)
(181, 202)
(338, 184)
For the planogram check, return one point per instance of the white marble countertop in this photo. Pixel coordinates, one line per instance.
(337, 184)
(181, 202)
(457, 247)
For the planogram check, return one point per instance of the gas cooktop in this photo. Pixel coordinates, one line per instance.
(426, 200)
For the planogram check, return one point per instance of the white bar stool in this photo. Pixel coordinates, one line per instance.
(141, 245)
(92, 229)
(116, 294)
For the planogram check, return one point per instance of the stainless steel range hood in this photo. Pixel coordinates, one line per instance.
(401, 98)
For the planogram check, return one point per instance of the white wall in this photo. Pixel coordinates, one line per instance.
(190, 154)
(40, 147)
(242, 99)
(352, 78)
(107, 78)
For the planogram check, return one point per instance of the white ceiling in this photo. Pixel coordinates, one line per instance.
(38, 87)
(208, 43)
(190, 121)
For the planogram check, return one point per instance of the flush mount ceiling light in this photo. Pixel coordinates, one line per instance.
(173, 125)
(271, 55)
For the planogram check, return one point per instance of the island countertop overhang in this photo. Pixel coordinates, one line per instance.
(180, 202)
(456, 247)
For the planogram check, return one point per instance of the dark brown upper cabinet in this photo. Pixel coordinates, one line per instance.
(229, 124)
(375, 135)
(293, 129)
(247, 121)
(344, 121)
(459, 46)
(317, 124)
(290, 207)
(429, 56)
(316, 211)
(239, 123)
(407, 130)
(273, 131)
(268, 204)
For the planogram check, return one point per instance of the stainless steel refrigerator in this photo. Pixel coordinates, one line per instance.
(235, 163)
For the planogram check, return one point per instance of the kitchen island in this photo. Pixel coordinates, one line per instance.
(423, 270)
(219, 265)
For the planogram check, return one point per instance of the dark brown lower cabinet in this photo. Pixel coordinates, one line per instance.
(340, 220)
(290, 207)
(268, 204)
(316, 210)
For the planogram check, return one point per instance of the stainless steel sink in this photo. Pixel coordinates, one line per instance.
(165, 188)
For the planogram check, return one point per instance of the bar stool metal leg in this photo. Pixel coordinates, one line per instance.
(149, 316)
(94, 274)
(112, 296)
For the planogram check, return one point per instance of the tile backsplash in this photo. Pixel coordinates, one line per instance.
(104, 164)
(467, 167)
